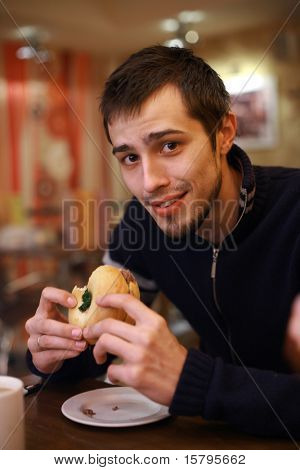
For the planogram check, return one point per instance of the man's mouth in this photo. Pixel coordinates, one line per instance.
(168, 203)
(164, 206)
(168, 200)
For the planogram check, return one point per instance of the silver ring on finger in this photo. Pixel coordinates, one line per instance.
(38, 341)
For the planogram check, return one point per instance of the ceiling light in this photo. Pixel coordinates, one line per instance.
(170, 25)
(25, 53)
(189, 16)
(192, 37)
(176, 42)
(30, 52)
(29, 31)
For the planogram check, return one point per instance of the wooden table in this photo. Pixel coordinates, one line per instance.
(47, 428)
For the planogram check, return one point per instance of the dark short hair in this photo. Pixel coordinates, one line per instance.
(149, 69)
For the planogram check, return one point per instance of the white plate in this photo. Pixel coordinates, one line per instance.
(113, 407)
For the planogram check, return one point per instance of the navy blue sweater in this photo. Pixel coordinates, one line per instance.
(238, 302)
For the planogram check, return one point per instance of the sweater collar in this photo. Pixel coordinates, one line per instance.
(240, 160)
(253, 192)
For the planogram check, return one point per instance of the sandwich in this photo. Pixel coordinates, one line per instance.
(105, 279)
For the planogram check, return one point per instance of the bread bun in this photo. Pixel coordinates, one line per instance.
(105, 279)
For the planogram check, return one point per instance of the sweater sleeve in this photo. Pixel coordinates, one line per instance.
(78, 367)
(260, 402)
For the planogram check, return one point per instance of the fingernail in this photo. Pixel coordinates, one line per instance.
(72, 301)
(80, 344)
(76, 333)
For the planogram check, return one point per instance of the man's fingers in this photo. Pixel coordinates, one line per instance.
(51, 296)
(134, 307)
(44, 358)
(296, 307)
(118, 373)
(293, 328)
(47, 326)
(115, 327)
(112, 344)
(38, 343)
(127, 374)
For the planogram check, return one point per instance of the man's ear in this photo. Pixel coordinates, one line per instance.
(227, 133)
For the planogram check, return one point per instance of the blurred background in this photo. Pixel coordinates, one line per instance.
(54, 59)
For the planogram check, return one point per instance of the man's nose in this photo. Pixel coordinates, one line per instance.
(154, 176)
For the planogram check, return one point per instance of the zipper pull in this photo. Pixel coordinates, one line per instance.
(214, 263)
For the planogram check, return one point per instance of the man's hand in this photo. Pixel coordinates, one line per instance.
(51, 338)
(152, 356)
(292, 338)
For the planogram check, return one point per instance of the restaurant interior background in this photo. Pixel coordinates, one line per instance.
(54, 58)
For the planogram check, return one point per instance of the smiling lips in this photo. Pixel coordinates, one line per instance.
(164, 206)
(168, 199)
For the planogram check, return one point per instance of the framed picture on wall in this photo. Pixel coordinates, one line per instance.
(254, 100)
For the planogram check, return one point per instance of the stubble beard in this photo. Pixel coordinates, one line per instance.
(200, 211)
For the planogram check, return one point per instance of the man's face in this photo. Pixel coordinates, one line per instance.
(167, 162)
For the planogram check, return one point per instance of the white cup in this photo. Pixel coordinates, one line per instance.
(11, 413)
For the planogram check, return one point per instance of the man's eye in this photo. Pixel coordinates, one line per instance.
(129, 160)
(170, 146)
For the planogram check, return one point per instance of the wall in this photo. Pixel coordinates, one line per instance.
(52, 145)
(260, 50)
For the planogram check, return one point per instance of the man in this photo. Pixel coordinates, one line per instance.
(218, 236)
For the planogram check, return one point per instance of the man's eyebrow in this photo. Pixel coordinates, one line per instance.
(158, 135)
(121, 148)
(147, 139)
